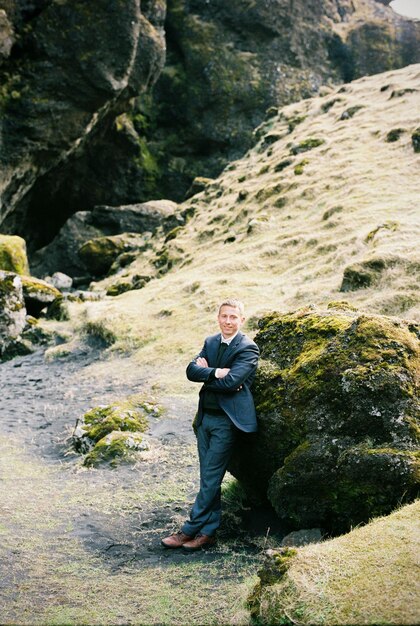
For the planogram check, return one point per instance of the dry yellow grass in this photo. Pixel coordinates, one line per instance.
(294, 234)
(369, 576)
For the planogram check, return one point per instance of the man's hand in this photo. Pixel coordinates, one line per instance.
(222, 372)
(202, 362)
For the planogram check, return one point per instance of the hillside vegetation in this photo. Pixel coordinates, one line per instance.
(368, 576)
(330, 190)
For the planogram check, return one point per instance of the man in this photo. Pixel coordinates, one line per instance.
(226, 365)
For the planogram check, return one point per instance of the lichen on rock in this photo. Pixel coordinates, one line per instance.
(13, 254)
(338, 417)
(103, 431)
(116, 447)
(12, 313)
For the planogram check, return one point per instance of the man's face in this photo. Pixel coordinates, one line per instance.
(230, 320)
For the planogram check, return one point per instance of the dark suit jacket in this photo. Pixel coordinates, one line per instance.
(241, 357)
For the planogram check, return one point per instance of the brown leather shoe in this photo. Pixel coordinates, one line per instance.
(176, 540)
(200, 541)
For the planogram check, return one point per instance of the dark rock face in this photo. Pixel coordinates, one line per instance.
(338, 417)
(228, 62)
(74, 67)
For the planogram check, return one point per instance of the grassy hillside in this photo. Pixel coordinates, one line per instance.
(369, 576)
(324, 189)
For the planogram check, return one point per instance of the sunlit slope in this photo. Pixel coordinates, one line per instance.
(332, 186)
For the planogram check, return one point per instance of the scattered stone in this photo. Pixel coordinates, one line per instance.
(415, 140)
(307, 144)
(351, 112)
(394, 134)
(13, 254)
(303, 537)
(38, 294)
(336, 394)
(282, 165)
(368, 272)
(128, 284)
(61, 281)
(12, 313)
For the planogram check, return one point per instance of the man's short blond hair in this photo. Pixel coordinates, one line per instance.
(237, 304)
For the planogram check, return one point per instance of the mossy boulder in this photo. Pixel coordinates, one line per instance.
(38, 294)
(115, 448)
(13, 254)
(99, 254)
(338, 417)
(12, 312)
(126, 416)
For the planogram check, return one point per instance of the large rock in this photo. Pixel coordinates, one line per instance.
(62, 253)
(99, 254)
(338, 417)
(38, 294)
(76, 67)
(13, 254)
(12, 312)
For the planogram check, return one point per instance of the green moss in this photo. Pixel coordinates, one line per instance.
(307, 144)
(126, 416)
(13, 254)
(115, 448)
(331, 385)
(298, 169)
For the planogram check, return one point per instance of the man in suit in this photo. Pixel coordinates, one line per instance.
(226, 365)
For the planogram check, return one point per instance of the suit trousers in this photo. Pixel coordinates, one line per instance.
(216, 436)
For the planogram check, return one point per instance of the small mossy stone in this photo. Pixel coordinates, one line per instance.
(13, 254)
(307, 144)
(129, 415)
(38, 294)
(336, 394)
(115, 448)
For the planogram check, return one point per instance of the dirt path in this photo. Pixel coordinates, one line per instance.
(82, 546)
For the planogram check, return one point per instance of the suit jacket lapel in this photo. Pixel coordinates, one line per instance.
(231, 347)
(213, 347)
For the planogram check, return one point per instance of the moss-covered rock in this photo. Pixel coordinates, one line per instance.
(368, 271)
(99, 254)
(12, 312)
(38, 294)
(338, 417)
(115, 448)
(13, 254)
(306, 144)
(127, 416)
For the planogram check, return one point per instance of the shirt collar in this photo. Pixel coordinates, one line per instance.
(229, 340)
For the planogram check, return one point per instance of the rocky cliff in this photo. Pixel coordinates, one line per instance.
(228, 62)
(68, 69)
(80, 127)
